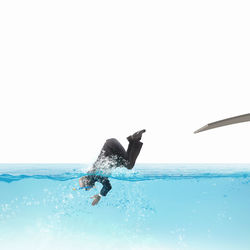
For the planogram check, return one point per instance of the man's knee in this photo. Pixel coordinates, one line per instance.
(111, 140)
(111, 143)
(109, 146)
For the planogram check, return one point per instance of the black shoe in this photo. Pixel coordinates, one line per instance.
(136, 136)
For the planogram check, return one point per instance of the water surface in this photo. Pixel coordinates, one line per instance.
(154, 206)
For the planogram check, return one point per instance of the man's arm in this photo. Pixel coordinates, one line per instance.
(105, 189)
(106, 185)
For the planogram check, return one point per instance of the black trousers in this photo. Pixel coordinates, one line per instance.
(113, 147)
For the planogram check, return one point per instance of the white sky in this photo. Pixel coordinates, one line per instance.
(74, 73)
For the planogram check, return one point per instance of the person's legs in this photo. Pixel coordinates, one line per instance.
(114, 147)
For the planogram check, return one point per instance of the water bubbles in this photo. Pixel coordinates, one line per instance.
(140, 209)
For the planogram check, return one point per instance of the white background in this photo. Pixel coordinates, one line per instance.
(74, 73)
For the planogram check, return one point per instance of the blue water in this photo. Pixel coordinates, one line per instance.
(154, 206)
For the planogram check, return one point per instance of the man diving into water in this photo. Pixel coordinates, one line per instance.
(112, 155)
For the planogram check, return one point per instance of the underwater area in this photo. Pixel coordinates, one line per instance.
(153, 206)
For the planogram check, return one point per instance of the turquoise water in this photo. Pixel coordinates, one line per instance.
(154, 206)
